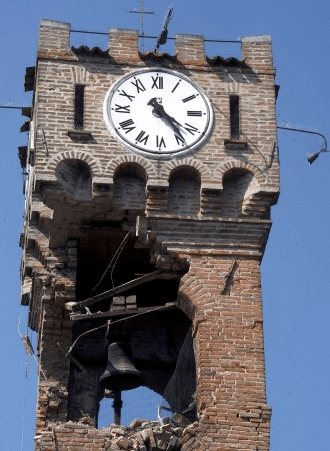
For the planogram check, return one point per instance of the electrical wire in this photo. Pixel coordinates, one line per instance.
(26, 363)
(162, 307)
(27, 344)
(115, 257)
(120, 250)
(237, 41)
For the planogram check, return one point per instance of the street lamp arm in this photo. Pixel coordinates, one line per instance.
(312, 157)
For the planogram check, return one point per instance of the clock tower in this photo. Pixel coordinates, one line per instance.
(148, 195)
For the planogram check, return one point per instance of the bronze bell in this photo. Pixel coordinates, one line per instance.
(120, 373)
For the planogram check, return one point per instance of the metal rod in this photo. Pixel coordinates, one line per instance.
(142, 12)
(324, 149)
(117, 405)
(13, 107)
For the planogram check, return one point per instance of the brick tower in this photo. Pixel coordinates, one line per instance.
(150, 182)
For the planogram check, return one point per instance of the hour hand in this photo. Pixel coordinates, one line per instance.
(159, 109)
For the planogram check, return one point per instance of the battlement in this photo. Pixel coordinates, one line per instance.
(54, 42)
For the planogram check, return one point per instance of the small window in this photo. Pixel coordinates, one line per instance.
(234, 117)
(79, 107)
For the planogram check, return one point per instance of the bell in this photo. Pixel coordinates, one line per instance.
(120, 373)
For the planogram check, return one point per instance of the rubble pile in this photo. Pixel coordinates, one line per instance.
(143, 435)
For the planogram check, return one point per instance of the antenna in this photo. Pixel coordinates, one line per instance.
(163, 33)
(142, 12)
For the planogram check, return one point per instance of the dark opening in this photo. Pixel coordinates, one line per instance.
(79, 107)
(234, 117)
(156, 340)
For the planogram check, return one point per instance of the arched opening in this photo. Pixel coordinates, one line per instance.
(130, 187)
(184, 191)
(236, 185)
(141, 403)
(143, 314)
(75, 178)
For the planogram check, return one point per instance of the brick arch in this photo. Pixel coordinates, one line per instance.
(129, 186)
(190, 162)
(75, 177)
(113, 165)
(92, 162)
(242, 191)
(221, 170)
(184, 191)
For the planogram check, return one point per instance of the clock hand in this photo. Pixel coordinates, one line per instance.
(162, 114)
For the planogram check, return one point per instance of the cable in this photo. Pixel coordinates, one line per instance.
(25, 396)
(120, 249)
(162, 307)
(28, 346)
(238, 41)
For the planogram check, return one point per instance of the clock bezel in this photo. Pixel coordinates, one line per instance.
(142, 150)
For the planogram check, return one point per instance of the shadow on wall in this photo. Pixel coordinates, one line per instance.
(75, 178)
(184, 191)
(130, 187)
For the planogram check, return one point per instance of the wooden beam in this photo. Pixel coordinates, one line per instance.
(158, 274)
(122, 313)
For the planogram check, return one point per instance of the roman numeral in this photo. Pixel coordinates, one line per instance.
(194, 113)
(126, 125)
(191, 129)
(122, 109)
(157, 82)
(139, 85)
(124, 94)
(176, 86)
(160, 142)
(141, 138)
(188, 98)
(179, 140)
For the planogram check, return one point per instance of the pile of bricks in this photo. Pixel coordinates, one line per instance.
(141, 435)
(123, 302)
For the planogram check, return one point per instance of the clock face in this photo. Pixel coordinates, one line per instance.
(158, 113)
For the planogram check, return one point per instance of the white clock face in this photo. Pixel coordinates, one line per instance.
(158, 113)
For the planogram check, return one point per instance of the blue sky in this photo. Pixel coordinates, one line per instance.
(295, 270)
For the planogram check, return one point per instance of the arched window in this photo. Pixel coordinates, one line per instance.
(184, 191)
(130, 187)
(75, 178)
(236, 186)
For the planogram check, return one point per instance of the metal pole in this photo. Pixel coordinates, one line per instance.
(117, 405)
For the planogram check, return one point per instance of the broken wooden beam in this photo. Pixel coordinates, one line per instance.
(122, 313)
(158, 274)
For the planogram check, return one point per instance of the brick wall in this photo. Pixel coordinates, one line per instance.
(202, 218)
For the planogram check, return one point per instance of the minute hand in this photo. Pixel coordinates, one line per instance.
(167, 118)
(171, 121)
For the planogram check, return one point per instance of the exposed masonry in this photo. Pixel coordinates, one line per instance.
(198, 224)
